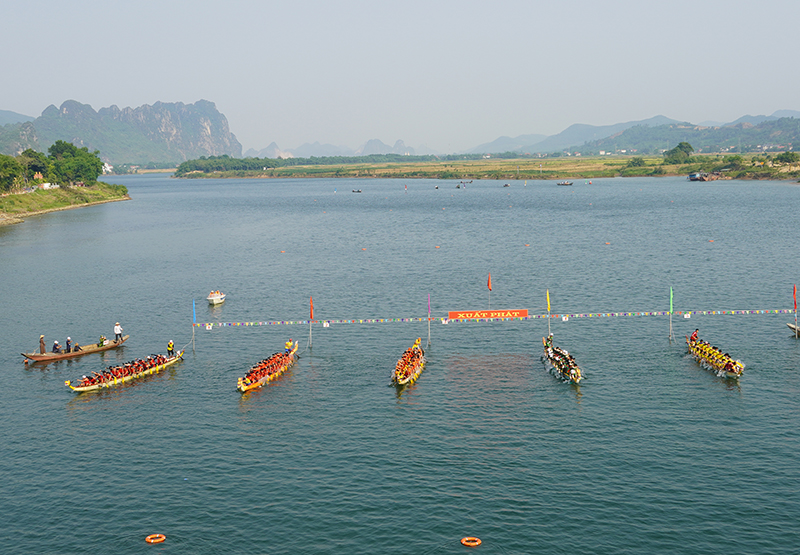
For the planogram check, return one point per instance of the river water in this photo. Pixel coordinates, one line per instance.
(650, 454)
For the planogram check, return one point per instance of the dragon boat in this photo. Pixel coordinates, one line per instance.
(560, 363)
(85, 350)
(128, 372)
(410, 365)
(721, 364)
(267, 370)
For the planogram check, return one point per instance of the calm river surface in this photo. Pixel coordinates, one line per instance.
(650, 455)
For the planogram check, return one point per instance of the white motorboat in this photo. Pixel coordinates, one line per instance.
(216, 297)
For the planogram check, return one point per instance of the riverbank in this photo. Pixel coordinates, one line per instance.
(514, 168)
(14, 208)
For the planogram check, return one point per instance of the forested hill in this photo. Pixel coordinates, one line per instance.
(774, 135)
(166, 133)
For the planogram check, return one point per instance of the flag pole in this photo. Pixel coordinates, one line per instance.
(194, 321)
(489, 285)
(548, 313)
(429, 319)
(310, 320)
(670, 314)
(795, 310)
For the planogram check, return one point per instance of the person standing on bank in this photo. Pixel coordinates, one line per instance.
(117, 333)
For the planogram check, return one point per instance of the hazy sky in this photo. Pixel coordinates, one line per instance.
(446, 74)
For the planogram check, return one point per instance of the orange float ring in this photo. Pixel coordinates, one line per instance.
(158, 538)
(470, 542)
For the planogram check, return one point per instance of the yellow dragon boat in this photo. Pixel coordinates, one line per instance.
(721, 364)
(261, 373)
(109, 379)
(410, 365)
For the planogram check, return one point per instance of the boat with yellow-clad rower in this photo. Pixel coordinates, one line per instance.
(410, 365)
(268, 369)
(721, 364)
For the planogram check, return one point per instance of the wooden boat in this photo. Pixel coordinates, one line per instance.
(283, 360)
(795, 329)
(560, 363)
(85, 350)
(565, 183)
(410, 365)
(115, 381)
(721, 364)
(216, 297)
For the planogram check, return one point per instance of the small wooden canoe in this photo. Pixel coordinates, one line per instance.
(85, 350)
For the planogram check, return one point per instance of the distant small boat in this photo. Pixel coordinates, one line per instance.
(356, 190)
(565, 182)
(506, 185)
(216, 297)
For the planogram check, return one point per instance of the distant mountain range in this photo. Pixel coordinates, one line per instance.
(767, 134)
(170, 133)
(7, 117)
(167, 133)
(373, 146)
(642, 135)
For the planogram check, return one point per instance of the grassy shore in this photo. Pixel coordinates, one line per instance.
(15, 207)
(523, 168)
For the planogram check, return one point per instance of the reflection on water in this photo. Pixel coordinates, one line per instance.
(215, 312)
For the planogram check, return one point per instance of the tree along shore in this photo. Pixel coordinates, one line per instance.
(728, 166)
(15, 207)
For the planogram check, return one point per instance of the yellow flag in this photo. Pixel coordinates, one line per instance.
(548, 300)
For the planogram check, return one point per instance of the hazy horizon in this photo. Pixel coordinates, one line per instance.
(446, 75)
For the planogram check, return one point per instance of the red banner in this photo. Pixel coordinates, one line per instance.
(474, 314)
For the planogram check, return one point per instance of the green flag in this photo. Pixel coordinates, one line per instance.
(670, 299)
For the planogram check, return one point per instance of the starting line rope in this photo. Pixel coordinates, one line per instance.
(563, 317)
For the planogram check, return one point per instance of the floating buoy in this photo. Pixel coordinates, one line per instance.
(470, 542)
(608, 243)
(710, 240)
(437, 246)
(283, 251)
(363, 249)
(158, 538)
(527, 245)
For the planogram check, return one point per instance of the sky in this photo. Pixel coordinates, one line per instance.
(448, 75)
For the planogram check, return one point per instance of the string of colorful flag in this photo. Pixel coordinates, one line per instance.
(447, 320)
(495, 315)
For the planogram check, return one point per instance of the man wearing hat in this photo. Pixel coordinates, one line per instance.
(69, 345)
(56, 347)
(42, 347)
(117, 333)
